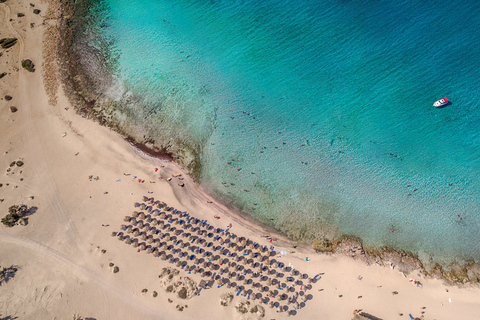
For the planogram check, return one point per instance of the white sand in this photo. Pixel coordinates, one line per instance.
(62, 270)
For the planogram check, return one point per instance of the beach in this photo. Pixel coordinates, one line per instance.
(80, 179)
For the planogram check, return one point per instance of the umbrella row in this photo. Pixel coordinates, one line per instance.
(189, 242)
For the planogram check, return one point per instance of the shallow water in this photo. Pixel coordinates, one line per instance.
(316, 117)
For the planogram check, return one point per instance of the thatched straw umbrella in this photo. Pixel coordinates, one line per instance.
(149, 250)
(140, 224)
(114, 234)
(141, 216)
(135, 243)
(126, 218)
(120, 235)
(135, 214)
(142, 206)
(142, 246)
(143, 236)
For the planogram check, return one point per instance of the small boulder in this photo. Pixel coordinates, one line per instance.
(13, 109)
(19, 163)
(3, 74)
(20, 15)
(8, 98)
(36, 11)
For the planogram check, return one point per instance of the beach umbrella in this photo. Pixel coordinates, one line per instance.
(264, 278)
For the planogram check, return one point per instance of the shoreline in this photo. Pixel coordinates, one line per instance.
(72, 174)
(86, 104)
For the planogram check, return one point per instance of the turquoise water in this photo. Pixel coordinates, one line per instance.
(316, 117)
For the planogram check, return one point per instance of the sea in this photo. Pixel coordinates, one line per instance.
(312, 117)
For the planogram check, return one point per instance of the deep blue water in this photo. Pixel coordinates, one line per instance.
(316, 117)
